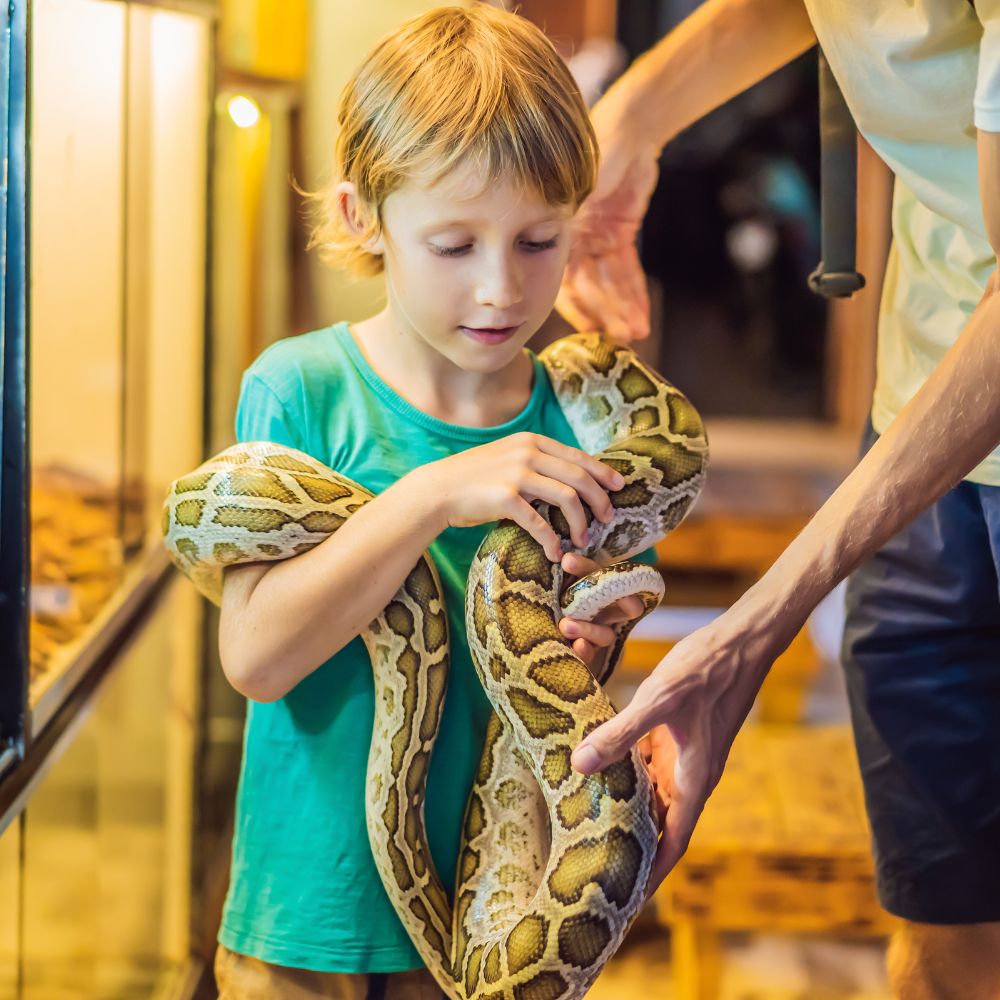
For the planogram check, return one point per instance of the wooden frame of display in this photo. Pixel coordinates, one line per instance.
(14, 477)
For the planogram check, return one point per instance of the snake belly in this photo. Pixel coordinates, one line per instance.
(553, 864)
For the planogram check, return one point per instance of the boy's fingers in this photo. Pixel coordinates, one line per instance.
(598, 635)
(558, 494)
(630, 607)
(604, 474)
(586, 487)
(624, 610)
(527, 517)
(577, 565)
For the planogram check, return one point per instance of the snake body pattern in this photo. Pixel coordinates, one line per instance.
(553, 864)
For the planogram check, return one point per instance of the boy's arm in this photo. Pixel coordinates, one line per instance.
(703, 689)
(281, 620)
(724, 47)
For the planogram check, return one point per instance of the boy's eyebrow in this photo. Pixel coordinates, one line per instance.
(472, 223)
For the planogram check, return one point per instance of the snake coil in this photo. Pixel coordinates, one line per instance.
(553, 864)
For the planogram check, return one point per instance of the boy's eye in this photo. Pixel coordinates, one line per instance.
(535, 246)
(449, 251)
(532, 246)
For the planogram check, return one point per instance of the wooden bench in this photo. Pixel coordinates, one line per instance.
(782, 846)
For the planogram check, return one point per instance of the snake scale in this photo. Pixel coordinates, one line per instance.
(553, 864)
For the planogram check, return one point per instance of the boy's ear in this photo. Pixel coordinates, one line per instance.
(355, 216)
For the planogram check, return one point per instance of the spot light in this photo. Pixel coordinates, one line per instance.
(244, 111)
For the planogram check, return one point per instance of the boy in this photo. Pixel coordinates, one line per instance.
(463, 154)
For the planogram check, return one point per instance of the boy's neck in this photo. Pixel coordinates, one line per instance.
(435, 385)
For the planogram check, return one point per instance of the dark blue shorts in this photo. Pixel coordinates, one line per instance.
(922, 657)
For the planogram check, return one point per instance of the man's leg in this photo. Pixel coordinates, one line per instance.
(942, 962)
(922, 659)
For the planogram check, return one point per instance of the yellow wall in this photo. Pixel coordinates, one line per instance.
(264, 37)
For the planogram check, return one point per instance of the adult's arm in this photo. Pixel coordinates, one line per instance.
(721, 49)
(724, 47)
(702, 690)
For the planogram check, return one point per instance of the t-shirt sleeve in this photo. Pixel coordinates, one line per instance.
(262, 416)
(648, 557)
(987, 102)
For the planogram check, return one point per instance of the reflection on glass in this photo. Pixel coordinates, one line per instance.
(178, 116)
(117, 298)
(76, 266)
(107, 848)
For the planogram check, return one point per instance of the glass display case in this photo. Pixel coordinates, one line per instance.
(107, 113)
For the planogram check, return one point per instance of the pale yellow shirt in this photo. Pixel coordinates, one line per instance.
(920, 77)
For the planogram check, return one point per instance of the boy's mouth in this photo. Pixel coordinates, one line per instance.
(490, 334)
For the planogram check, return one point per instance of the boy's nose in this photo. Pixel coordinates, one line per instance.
(499, 287)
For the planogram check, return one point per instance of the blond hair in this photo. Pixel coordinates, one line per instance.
(447, 85)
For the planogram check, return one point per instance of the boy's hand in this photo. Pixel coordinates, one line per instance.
(500, 480)
(589, 637)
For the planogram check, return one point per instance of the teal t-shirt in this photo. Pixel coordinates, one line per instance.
(304, 890)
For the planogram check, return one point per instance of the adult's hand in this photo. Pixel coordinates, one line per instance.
(691, 706)
(722, 48)
(604, 286)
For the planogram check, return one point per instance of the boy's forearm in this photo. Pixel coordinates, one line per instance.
(944, 431)
(306, 609)
(719, 51)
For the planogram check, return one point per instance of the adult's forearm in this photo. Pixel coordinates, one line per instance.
(304, 610)
(948, 427)
(717, 52)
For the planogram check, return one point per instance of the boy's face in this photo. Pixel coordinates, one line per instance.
(473, 272)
